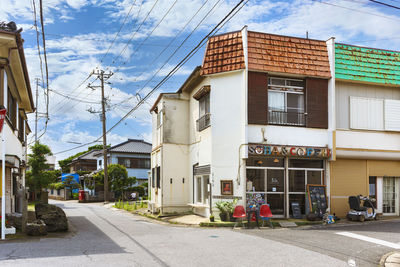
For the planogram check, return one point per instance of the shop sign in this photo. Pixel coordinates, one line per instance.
(289, 151)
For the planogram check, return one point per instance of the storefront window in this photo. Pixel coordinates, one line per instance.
(314, 177)
(265, 162)
(201, 189)
(276, 203)
(297, 181)
(372, 189)
(256, 180)
(275, 180)
(306, 163)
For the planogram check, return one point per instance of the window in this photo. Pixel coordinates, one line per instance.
(286, 102)
(201, 189)
(21, 123)
(11, 108)
(100, 163)
(158, 177)
(153, 178)
(366, 113)
(135, 163)
(204, 113)
(372, 189)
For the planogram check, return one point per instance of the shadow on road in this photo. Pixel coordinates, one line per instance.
(88, 240)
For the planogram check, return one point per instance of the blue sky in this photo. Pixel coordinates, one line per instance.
(80, 32)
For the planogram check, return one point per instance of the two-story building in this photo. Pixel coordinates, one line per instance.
(84, 162)
(134, 154)
(16, 97)
(254, 122)
(367, 138)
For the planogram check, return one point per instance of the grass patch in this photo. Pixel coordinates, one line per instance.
(130, 206)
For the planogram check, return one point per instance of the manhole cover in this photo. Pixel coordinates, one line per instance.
(213, 236)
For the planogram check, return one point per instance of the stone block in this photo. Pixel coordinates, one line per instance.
(36, 228)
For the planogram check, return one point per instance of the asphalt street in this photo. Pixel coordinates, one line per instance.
(107, 237)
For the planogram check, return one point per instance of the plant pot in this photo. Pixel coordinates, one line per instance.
(223, 216)
(231, 217)
(212, 219)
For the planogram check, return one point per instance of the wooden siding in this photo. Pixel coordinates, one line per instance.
(317, 103)
(257, 98)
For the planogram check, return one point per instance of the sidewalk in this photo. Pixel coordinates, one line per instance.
(391, 259)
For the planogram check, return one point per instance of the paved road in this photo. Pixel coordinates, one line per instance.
(104, 237)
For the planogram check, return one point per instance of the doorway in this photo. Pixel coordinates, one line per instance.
(390, 196)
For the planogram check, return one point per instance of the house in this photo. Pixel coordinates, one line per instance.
(254, 123)
(367, 136)
(51, 161)
(16, 97)
(84, 162)
(134, 154)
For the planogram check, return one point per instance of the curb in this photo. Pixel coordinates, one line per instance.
(382, 262)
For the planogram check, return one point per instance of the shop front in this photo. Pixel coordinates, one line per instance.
(279, 175)
(378, 179)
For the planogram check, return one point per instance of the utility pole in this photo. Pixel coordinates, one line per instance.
(37, 99)
(103, 77)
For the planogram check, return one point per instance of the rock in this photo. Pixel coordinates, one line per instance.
(53, 216)
(36, 228)
(31, 216)
(15, 219)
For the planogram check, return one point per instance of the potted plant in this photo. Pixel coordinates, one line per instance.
(223, 212)
(212, 219)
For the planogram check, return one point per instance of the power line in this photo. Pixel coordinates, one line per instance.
(154, 28)
(45, 63)
(134, 33)
(180, 64)
(384, 4)
(120, 28)
(73, 98)
(176, 50)
(176, 36)
(356, 10)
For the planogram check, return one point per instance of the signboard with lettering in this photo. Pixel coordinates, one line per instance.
(317, 199)
(296, 210)
(289, 151)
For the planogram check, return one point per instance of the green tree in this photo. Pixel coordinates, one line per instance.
(70, 184)
(37, 179)
(118, 179)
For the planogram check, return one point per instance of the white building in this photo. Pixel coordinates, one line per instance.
(251, 122)
(16, 97)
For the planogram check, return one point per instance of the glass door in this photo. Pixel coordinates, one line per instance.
(390, 196)
(276, 191)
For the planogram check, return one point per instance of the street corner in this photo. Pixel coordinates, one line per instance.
(391, 259)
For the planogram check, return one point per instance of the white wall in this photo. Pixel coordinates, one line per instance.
(287, 135)
(228, 118)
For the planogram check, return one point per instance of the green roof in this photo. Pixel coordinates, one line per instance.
(367, 64)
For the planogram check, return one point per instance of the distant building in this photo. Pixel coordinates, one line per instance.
(134, 154)
(16, 97)
(84, 162)
(51, 161)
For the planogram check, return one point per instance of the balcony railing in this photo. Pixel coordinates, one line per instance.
(286, 118)
(203, 122)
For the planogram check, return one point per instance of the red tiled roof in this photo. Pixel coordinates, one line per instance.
(274, 53)
(267, 53)
(223, 53)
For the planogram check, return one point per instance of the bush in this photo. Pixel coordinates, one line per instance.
(75, 195)
(139, 189)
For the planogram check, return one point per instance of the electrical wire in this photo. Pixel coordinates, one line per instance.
(134, 33)
(45, 63)
(120, 28)
(176, 36)
(384, 4)
(356, 10)
(176, 68)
